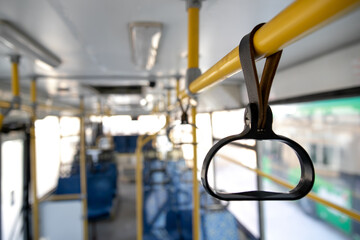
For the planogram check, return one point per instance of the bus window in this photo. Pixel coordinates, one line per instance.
(12, 159)
(333, 146)
(47, 154)
(312, 153)
(327, 155)
(229, 175)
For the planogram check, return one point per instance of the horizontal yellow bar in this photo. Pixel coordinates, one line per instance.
(47, 195)
(223, 69)
(296, 21)
(56, 108)
(64, 197)
(351, 213)
(125, 155)
(5, 104)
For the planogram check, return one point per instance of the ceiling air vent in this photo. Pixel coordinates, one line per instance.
(118, 90)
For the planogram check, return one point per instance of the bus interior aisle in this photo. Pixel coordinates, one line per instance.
(180, 120)
(122, 225)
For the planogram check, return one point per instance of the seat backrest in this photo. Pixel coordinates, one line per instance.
(68, 185)
(186, 224)
(100, 190)
(219, 225)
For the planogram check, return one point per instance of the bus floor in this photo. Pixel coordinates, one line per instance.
(122, 224)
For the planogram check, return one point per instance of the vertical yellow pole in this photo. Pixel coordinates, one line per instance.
(83, 169)
(139, 196)
(141, 141)
(15, 87)
(177, 88)
(35, 205)
(139, 193)
(99, 107)
(1, 120)
(196, 197)
(193, 37)
(168, 106)
(33, 94)
(193, 63)
(15, 76)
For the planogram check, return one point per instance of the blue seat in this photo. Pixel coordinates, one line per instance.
(100, 195)
(125, 144)
(112, 169)
(69, 185)
(101, 188)
(120, 144)
(186, 224)
(156, 205)
(173, 225)
(106, 169)
(131, 143)
(219, 225)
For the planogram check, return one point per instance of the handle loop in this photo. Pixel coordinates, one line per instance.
(258, 126)
(184, 120)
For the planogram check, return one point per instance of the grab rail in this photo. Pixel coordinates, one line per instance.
(351, 213)
(296, 21)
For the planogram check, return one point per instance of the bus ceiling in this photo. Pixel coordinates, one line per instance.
(77, 49)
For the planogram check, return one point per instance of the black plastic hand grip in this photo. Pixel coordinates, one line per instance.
(251, 131)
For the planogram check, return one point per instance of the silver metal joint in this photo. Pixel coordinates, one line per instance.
(34, 106)
(191, 75)
(16, 102)
(14, 58)
(193, 4)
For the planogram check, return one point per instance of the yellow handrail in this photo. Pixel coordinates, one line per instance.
(193, 37)
(196, 195)
(351, 213)
(141, 141)
(177, 88)
(1, 120)
(299, 19)
(35, 205)
(15, 79)
(27, 108)
(64, 197)
(193, 63)
(83, 184)
(15, 88)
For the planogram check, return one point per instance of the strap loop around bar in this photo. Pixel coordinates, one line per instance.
(258, 93)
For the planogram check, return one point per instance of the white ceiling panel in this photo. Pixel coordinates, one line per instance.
(91, 37)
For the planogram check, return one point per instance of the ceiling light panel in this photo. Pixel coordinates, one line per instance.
(145, 38)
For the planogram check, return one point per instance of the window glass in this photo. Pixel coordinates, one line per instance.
(330, 132)
(230, 167)
(47, 132)
(227, 123)
(69, 139)
(204, 135)
(124, 125)
(12, 155)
